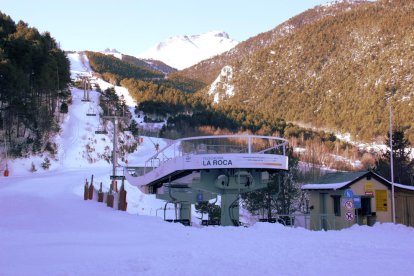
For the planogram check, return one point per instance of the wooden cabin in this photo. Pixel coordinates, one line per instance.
(342, 199)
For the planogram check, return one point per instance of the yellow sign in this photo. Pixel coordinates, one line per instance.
(369, 188)
(381, 200)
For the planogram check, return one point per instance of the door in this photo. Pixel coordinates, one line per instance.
(322, 211)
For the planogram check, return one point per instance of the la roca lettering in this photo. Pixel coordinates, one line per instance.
(217, 162)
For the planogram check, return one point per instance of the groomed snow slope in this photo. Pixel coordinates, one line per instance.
(46, 228)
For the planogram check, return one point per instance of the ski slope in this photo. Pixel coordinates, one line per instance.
(46, 228)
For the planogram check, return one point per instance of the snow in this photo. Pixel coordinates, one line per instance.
(221, 87)
(184, 51)
(404, 186)
(79, 65)
(333, 186)
(46, 228)
(112, 52)
(336, 2)
(340, 185)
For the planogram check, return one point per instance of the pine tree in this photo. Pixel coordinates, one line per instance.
(281, 194)
(46, 163)
(205, 207)
(403, 165)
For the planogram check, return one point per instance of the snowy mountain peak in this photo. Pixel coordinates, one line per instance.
(186, 50)
(107, 50)
(336, 2)
(112, 52)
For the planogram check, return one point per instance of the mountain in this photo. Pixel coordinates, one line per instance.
(153, 65)
(112, 52)
(183, 51)
(208, 70)
(334, 67)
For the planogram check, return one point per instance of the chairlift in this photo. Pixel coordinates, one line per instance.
(101, 130)
(165, 212)
(185, 222)
(91, 112)
(210, 222)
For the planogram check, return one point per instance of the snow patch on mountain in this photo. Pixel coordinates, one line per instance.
(184, 51)
(112, 52)
(336, 2)
(79, 65)
(222, 88)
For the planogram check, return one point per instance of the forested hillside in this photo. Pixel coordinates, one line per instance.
(34, 77)
(206, 71)
(334, 67)
(150, 64)
(114, 70)
(340, 72)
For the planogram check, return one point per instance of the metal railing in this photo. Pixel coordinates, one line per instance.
(221, 144)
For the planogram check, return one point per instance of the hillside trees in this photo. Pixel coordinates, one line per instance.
(114, 70)
(403, 165)
(34, 74)
(212, 210)
(158, 99)
(281, 196)
(334, 68)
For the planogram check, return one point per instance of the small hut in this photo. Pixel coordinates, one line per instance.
(342, 199)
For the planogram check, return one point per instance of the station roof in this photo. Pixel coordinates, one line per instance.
(342, 180)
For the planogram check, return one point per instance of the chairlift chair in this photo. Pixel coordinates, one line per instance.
(91, 112)
(101, 130)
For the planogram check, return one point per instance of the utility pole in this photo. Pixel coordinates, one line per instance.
(392, 169)
(115, 120)
(86, 88)
(115, 146)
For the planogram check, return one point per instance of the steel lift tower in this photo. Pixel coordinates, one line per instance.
(197, 169)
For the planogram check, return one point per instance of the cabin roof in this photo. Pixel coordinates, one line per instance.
(342, 180)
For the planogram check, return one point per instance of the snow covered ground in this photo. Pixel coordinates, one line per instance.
(46, 228)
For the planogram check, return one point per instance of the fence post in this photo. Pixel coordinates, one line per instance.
(90, 192)
(85, 190)
(100, 194)
(110, 199)
(122, 205)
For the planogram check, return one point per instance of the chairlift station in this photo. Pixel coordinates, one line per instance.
(198, 169)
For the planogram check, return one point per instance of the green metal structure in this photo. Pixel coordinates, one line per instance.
(198, 169)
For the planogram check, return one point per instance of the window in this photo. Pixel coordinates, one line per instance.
(337, 205)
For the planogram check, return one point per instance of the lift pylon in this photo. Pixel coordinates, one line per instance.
(86, 89)
(226, 165)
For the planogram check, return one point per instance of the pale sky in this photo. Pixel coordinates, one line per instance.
(133, 26)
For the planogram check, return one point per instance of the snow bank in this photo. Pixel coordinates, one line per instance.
(48, 229)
